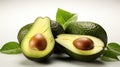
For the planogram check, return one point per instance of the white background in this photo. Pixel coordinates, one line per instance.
(16, 13)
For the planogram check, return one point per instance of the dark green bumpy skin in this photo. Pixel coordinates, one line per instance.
(87, 28)
(56, 28)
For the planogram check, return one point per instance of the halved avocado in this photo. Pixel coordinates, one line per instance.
(56, 30)
(81, 47)
(39, 42)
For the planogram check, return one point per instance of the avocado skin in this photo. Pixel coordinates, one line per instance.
(56, 28)
(57, 49)
(85, 58)
(87, 28)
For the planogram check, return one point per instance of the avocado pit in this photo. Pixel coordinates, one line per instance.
(83, 43)
(38, 41)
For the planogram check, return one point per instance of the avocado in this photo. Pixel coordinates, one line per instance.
(81, 47)
(39, 42)
(87, 28)
(55, 27)
(56, 30)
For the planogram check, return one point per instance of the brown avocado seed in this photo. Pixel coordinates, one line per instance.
(38, 42)
(83, 43)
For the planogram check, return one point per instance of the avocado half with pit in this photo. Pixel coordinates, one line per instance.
(56, 30)
(39, 42)
(81, 47)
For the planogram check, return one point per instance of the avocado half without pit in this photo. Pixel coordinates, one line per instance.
(39, 42)
(81, 47)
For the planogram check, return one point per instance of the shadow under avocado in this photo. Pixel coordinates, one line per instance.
(64, 58)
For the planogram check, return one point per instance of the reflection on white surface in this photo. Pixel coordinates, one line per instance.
(16, 13)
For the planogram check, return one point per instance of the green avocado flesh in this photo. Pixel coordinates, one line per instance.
(40, 26)
(66, 42)
(87, 28)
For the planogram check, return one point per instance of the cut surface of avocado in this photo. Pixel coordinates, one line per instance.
(66, 41)
(40, 33)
